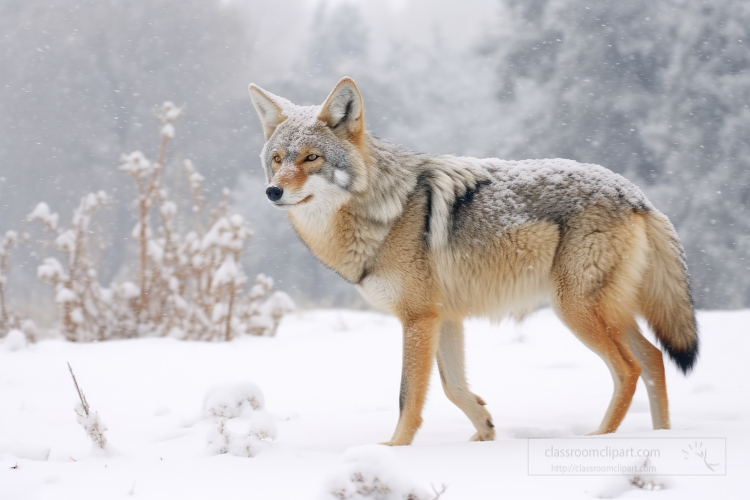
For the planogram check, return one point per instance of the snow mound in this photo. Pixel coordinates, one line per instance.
(12, 449)
(14, 341)
(372, 473)
(242, 425)
(232, 401)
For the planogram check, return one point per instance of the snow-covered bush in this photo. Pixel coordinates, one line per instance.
(189, 282)
(89, 311)
(372, 473)
(9, 321)
(241, 424)
(15, 340)
(261, 310)
(89, 419)
(92, 424)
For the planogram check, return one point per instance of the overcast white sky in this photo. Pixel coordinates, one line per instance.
(418, 21)
(279, 27)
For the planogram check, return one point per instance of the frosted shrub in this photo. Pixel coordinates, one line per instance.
(241, 426)
(15, 340)
(92, 424)
(89, 311)
(88, 418)
(261, 310)
(372, 473)
(9, 321)
(190, 283)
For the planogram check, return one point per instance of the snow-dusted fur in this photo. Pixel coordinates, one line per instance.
(436, 238)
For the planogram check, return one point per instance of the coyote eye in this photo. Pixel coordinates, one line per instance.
(277, 159)
(311, 157)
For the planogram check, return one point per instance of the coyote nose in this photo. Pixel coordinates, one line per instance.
(274, 193)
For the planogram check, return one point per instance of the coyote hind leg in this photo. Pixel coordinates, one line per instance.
(598, 271)
(610, 341)
(652, 373)
(450, 359)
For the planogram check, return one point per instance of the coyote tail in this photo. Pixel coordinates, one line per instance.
(666, 299)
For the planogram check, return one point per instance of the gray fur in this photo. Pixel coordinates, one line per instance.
(496, 195)
(465, 194)
(498, 237)
(551, 190)
(302, 128)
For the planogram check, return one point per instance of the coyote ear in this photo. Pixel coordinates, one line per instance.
(269, 108)
(343, 110)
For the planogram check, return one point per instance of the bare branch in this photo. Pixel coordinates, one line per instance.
(80, 393)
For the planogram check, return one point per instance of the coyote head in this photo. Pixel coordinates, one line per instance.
(314, 155)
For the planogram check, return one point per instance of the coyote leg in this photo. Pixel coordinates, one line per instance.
(420, 344)
(598, 268)
(450, 359)
(610, 342)
(652, 373)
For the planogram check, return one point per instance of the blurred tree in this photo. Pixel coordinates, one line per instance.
(656, 91)
(81, 85)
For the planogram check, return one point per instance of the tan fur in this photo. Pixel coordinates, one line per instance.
(310, 166)
(593, 277)
(597, 273)
(510, 273)
(291, 177)
(652, 373)
(420, 346)
(343, 244)
(607, 265)
(664, 300)
(453, 378)
(355, 130)
(270, 113)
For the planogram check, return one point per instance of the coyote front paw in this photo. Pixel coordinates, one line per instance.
(488, 435)
(599, 432)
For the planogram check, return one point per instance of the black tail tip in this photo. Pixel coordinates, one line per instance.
(685, 360)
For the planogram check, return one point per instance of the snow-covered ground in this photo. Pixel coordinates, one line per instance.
(330, 380)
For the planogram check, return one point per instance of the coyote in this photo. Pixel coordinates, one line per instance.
(434, 239)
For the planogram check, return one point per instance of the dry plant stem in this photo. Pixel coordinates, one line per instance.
(73, 260)
(70, 325)
(10, 240)
(146, 203)
(438, 494)
(177, 269)
(168, 247)
(80, 394)
(142, 242)
(195, 189)
(4, 274)
(224, 207)
(232, 290)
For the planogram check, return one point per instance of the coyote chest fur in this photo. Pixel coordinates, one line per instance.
(434, 239)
